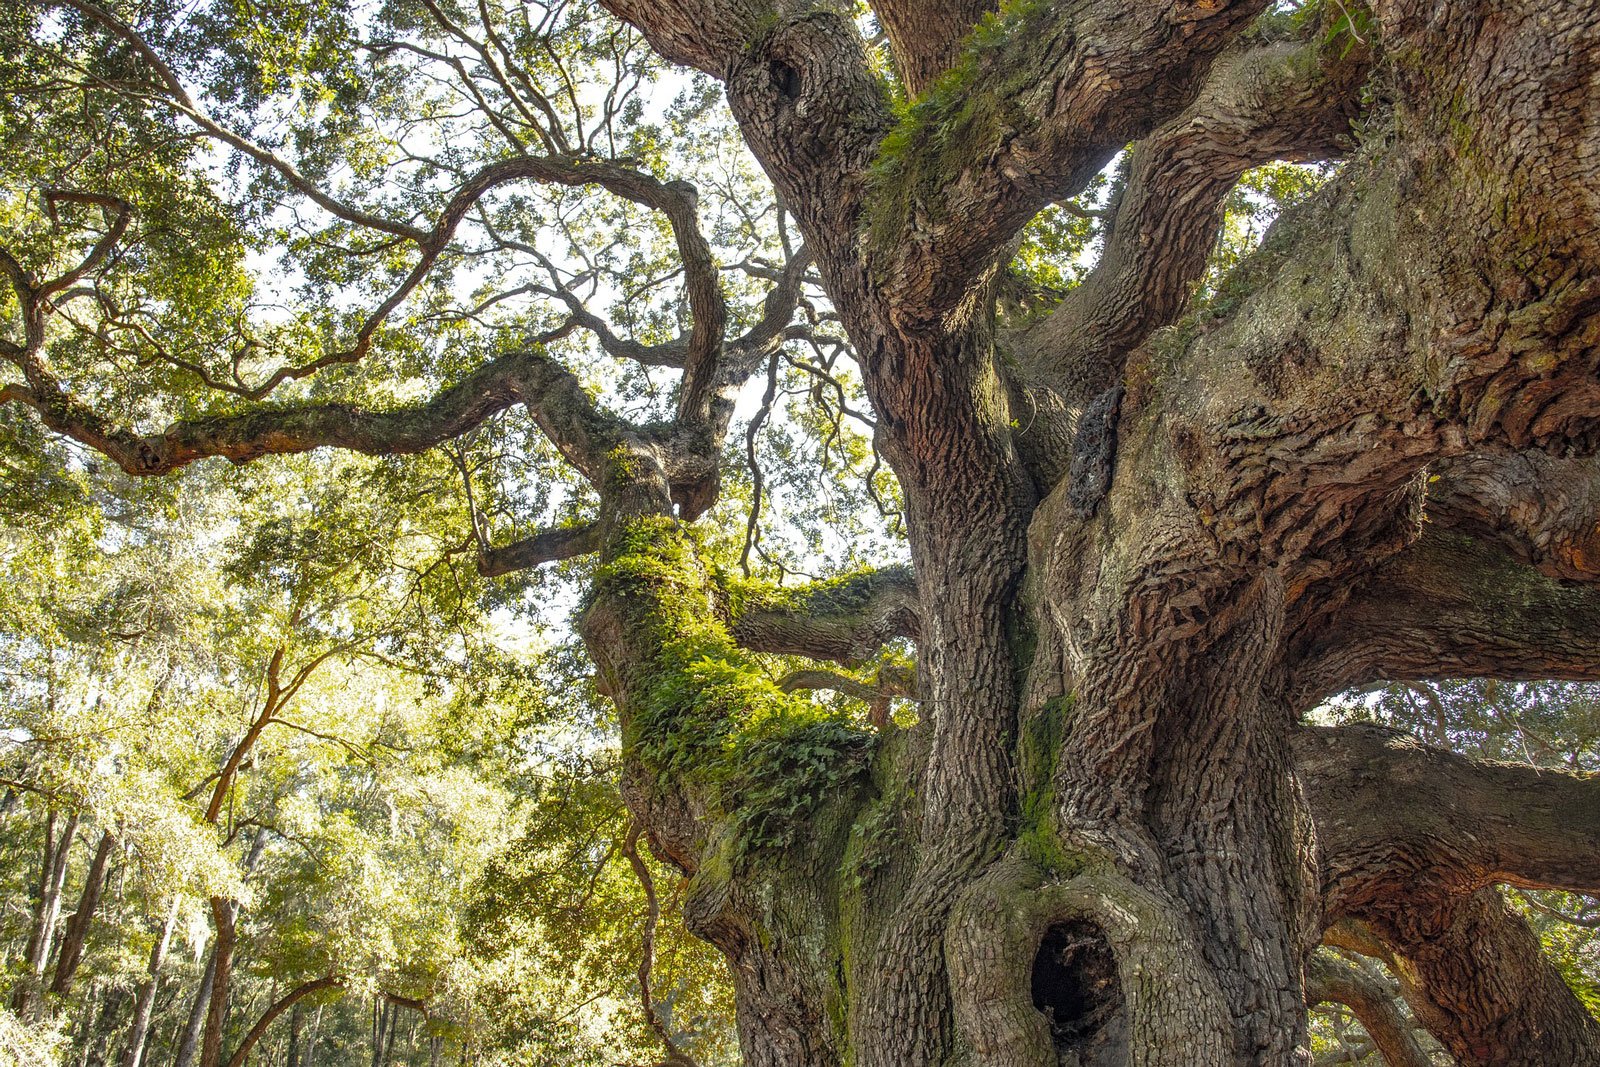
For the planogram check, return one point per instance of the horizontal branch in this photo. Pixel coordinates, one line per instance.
(891, 681)
(844, 619)
(552, 394)
(1448, 606)
(1400, 822)
(546, 546)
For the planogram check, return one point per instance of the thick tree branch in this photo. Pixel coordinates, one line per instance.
(1401, 823)
(844, 620)
(546, 546)
(1542, 509)
(1449, 605)
(1477, 978)
(1034, 109)
(1412, 840)
(1286, 100)
(552, 394)
(926, 37)
(1396, 319)
(1331, 979)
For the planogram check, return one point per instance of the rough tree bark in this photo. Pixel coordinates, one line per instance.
(1143, 591)
(1145, 539)
(77, 931)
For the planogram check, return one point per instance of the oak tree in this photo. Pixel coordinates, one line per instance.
(1149, 530)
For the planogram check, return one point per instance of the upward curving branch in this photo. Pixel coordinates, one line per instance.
(1285, 100)
(1329, 978)
(1038, 103)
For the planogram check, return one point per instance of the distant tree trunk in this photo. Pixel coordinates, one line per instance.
(224, 912)
(382, 1027)
(140, 1027)
(77, 931)
(52, 873)
(292, 1056)
(311, 1045)
(94, 1054)
(190, 1040)
(83, 1029)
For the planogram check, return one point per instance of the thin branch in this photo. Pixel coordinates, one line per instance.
(676, 1056)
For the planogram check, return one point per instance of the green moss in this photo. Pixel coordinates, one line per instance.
(845, 594)
(959, 120)
(1037, 745)
(623, 468)
(702, 711)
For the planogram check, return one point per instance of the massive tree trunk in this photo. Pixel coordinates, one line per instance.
(1097, 845)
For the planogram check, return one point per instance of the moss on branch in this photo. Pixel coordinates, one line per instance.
(702, 711)
(961, 120)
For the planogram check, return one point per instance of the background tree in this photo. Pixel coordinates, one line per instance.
(1148, 533)
(366, 805)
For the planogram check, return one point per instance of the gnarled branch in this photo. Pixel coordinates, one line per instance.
(1288, 100)
(1412, 840)
(1478, 980)
(552, 394)
(1331, 979)
(1542, 509)
(845, 619)
(1042, 101)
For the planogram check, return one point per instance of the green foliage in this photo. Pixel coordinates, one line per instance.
(139, 621)
(555, 919)
(1261, 195)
